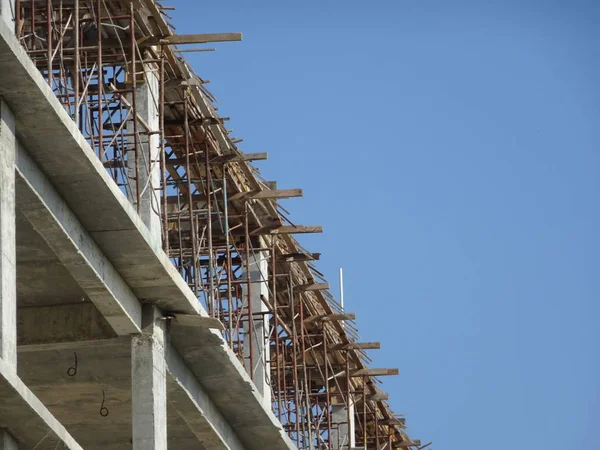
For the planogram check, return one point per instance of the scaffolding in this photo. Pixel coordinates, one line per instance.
(119, 70)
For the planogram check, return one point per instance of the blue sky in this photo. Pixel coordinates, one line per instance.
(450, 150)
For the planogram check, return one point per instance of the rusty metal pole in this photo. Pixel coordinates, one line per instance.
(186, 131)
(364, 400)
(276, 326)
(249, 292)
(101, 80)
(327, 393)
(163, 164)
(134, 108)
(350, 398)
(49, 39)
(228, 256)
(18, 19)
(211, 287)
(77, 61)
(295, 358)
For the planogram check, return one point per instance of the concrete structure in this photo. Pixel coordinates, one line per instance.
(74, 257)
(260, 371)
(152, 296)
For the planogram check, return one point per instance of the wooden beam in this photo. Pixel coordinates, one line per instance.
(297, 229)
(281, 193)
(330, 317)
(234, 157)
(376, 397)
(374, 372)
(334, 317)
(312, 287)
(393, 421)
(406, 444)
(201, 38)
(296, 257)
(357, 346)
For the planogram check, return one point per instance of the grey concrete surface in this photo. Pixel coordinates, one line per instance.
(61, 323)
(26, 418)
(102, 365)
(196, 408)
(149, 382)
(7, 13)
(8, 264)
(7, 442)
(261, 354)
(148, 164)
(51, 218)
(342, 433)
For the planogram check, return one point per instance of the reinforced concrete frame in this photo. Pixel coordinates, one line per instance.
(118, 70)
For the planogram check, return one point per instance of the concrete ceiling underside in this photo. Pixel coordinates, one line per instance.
(41, 278)
(75, 397)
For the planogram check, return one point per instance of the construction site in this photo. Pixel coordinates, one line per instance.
(154, 294)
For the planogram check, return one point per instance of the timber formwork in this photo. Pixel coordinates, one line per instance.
(216, 213)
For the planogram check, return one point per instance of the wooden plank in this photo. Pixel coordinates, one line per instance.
(406, 444)
(232, 157)
(183, 39)
(374, 372)
(357, 346)
(296, 229)
(330, 317)
(393, 421)
(281, 193)
(291, 257)
(334, 317)
(312, 287)
(376, 397)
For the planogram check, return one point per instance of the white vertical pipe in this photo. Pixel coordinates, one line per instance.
(342, 288)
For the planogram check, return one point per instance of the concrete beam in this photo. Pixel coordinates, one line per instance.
(196, 408)
(7, 442)
(148, 163)
(148, 383)
(49, 215)
(61, 323)
(8, 271)
(7, 13)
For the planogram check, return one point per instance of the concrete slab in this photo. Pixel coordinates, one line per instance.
(75, 397)
(24, 416)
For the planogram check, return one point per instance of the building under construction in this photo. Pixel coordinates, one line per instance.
(153, 294)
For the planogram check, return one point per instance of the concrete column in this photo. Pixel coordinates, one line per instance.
(148, 383)
(343, 433)
(259, 277)
(7, 11)
(8, 274)
(6, 441)
(147, 98)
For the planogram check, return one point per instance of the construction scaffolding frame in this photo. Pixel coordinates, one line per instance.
(220, 223)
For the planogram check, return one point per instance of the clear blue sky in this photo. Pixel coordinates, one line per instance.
(450, 149)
